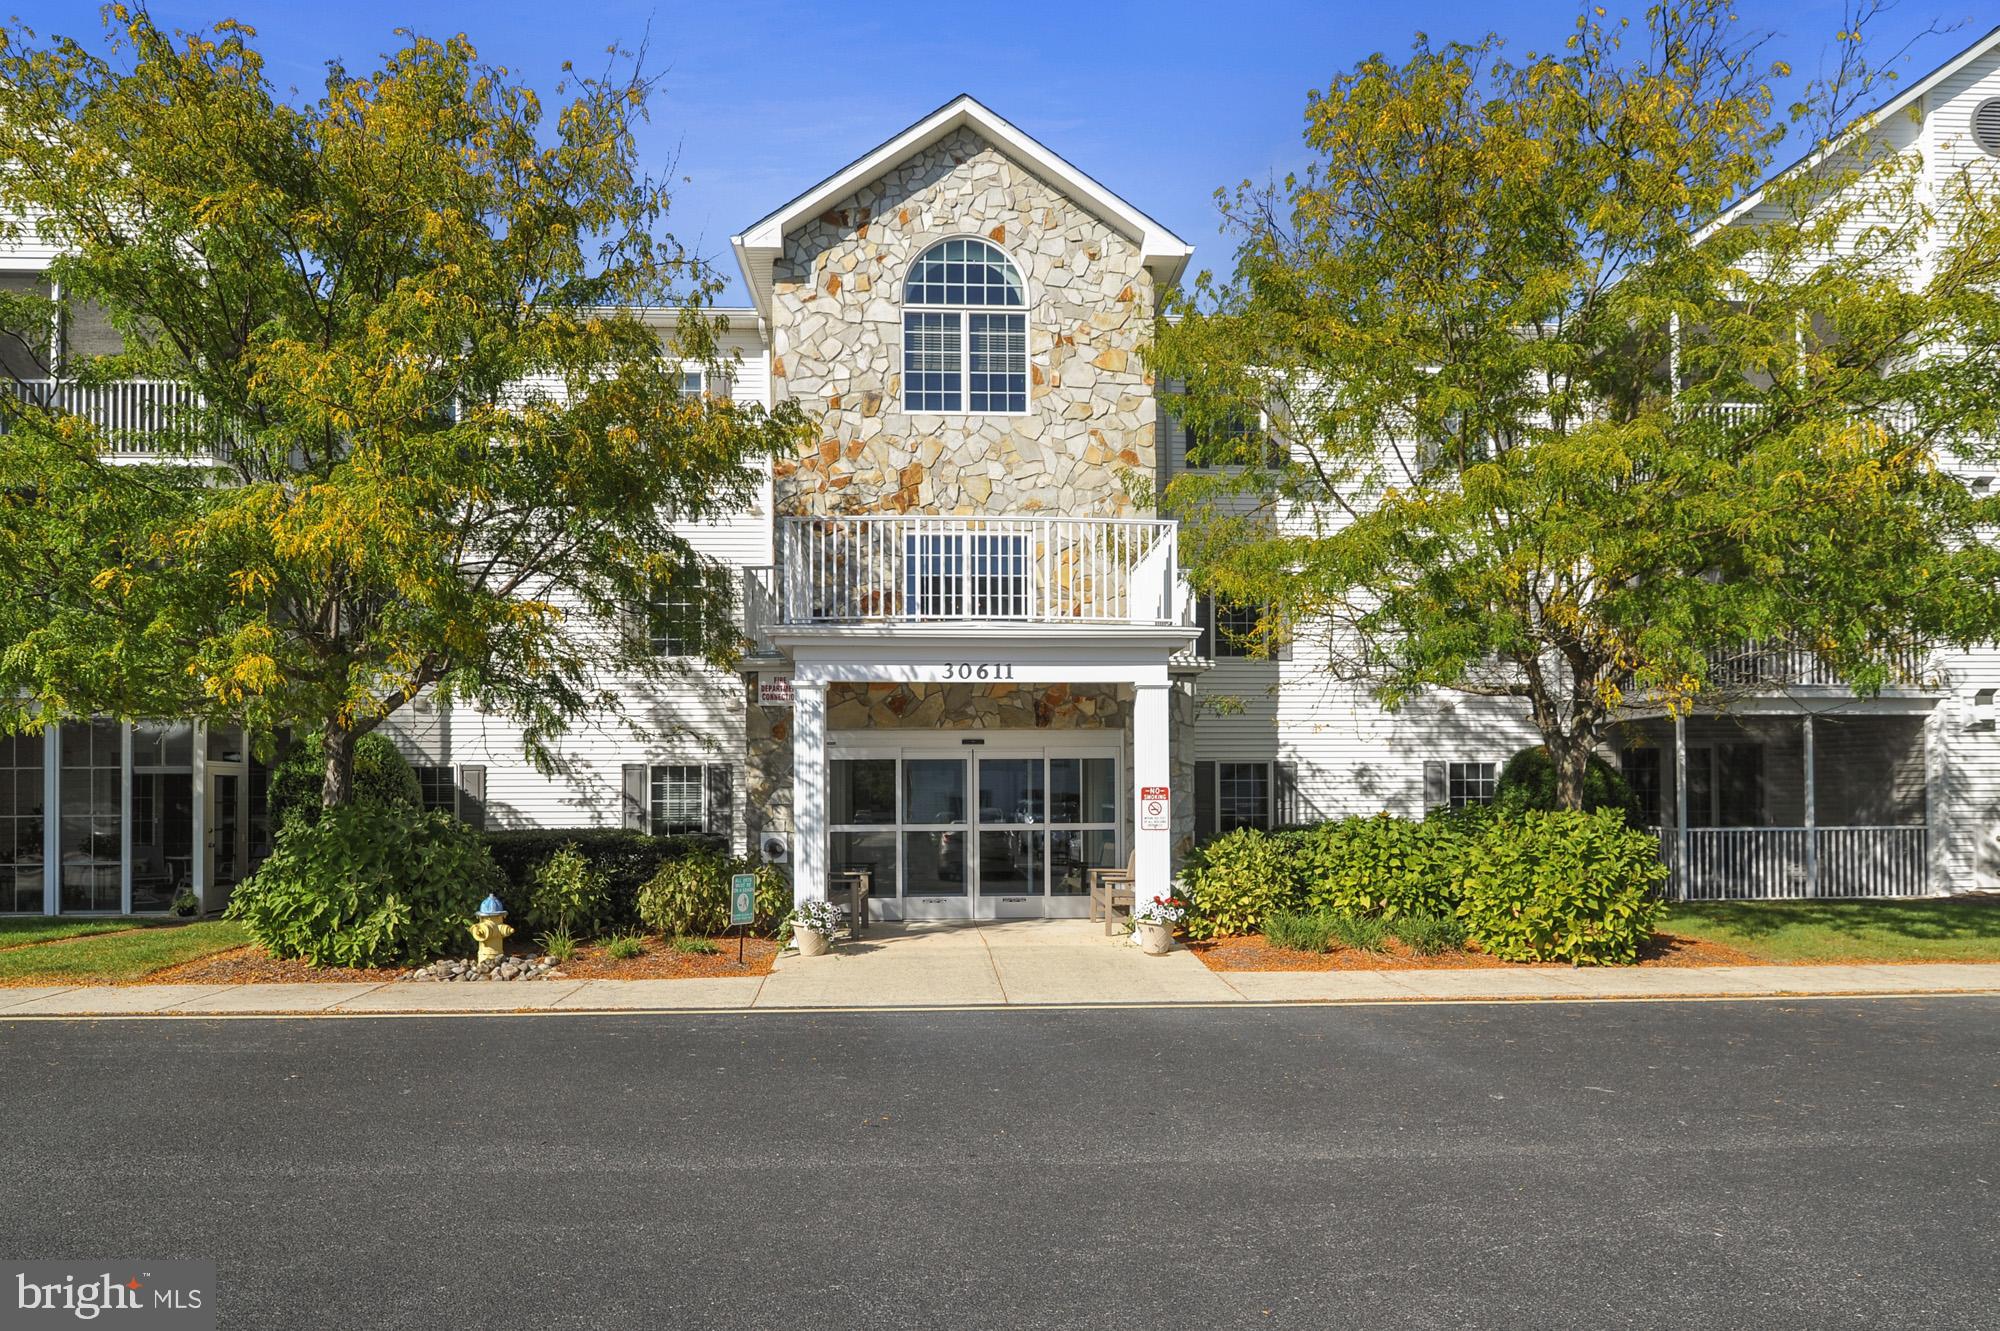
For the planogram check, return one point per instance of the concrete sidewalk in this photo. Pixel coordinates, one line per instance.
(1040, 963)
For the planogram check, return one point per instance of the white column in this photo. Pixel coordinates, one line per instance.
(125, 817)
(52, 819)
(1812, 820)
(200, 860)
(808, 791)
(1152, 766)
(1680, 806)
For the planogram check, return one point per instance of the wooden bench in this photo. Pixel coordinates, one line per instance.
(1111, 892)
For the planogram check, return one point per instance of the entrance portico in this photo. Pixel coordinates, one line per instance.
(1021, 815)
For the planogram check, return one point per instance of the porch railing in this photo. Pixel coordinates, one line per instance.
(1782, 664)
(893, 568)
(1775, 863)
(135, 416)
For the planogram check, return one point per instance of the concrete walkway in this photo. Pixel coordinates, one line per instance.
(1039, 963)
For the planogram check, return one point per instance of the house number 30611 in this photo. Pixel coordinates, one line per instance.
(987, 670)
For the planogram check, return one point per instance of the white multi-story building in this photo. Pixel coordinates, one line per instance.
(976, 668)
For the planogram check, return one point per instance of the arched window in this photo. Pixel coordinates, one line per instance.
(962, 349)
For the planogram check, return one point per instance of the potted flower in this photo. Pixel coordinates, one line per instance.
(1153, 925)
(813, 926)
(186, 903)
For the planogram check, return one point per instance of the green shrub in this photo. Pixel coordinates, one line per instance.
(627, 859)
(558, 944)
(1575, 887)
(1299, 931)
(382, 776)
(569, 893)
(1528, 782)
(367, 885)
(1365, 933)
(1235, 881)
(1383, 865)
(690, 896)
(1428, 935)
(624, 947)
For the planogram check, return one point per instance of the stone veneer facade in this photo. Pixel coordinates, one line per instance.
(837, 338)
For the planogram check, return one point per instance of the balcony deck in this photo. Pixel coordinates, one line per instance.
(878, 570)
(140, 419)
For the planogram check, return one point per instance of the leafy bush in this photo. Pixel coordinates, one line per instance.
(624, 947)
(1299, 931)
(1428, 935)
(1235, 881)
(367, 885)
(568, 893)
(690, 896)
(627, 859)
(1575, 887)
(1528, 781)
(1365, 933)
(382, 776)
(1383, 865)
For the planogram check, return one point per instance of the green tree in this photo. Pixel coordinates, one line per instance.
(1557, 423)
(435, 333)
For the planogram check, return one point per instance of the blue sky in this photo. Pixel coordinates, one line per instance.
(1163, 101)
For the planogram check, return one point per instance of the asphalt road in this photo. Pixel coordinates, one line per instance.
(1727, 1165)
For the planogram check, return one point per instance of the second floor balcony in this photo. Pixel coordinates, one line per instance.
(138, 419)
(897, 569)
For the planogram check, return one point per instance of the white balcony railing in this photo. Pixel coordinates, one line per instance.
(1780, 664)
(1772, 863)
(908, 569)
(135, 416)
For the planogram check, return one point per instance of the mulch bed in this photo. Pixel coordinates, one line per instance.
(251, 965)
(661, 962)
(1249, 952)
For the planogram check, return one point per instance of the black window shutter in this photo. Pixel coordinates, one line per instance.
(720, 815)
(1204, 618)
(1285, 809)
(1435, 794)
(472, 796)
(1204, 802)
(636, 798)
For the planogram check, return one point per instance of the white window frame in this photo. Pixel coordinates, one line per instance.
(964, 313)
(654, 825)
(1462, 782)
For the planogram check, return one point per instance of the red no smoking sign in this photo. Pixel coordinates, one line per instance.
(1154, 802)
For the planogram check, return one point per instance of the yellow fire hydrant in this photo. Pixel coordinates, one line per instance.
(491, 930)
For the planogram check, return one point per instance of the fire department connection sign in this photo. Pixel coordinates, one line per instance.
(1154, 802)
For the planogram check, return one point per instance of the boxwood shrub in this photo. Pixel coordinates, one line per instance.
(367, 885)
(1575, 887)
(626, 859)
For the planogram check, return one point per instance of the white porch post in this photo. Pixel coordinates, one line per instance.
(1152, 765)
(52, 819)
(1812, 821)
(808, 791)
(1680, 878)
(200, 863)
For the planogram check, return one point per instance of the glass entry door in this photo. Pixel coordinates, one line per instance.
(989, 835)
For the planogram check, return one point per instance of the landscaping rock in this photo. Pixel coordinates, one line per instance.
(509, 968)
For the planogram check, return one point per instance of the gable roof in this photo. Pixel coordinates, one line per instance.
(760, 243)
(1902, 101)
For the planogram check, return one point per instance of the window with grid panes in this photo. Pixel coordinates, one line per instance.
(1242, 796)
(1470, 783)
(965, 331)
(677, 806)
(438, 787)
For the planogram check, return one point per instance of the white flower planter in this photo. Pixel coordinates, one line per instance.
(812, 943)
(1155, 940)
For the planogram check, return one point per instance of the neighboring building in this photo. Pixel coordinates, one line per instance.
(975, 658)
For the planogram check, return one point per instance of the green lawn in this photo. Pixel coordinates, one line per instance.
(43, 928)
(123, 956)
(1835, 931)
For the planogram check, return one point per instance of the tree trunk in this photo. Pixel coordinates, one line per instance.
(1570, 755)
(338, 788)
